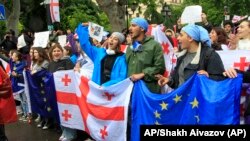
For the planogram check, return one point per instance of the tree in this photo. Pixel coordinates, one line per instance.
(74, 12)
(12, 9)
(115, 11)
(215, 8)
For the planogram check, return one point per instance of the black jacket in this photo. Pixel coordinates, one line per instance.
(210, 61)
(62, 64)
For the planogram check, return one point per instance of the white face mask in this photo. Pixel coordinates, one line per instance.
(110, 51)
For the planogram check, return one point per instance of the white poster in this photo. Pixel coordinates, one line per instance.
(95, 31)
(21, 42)
(41, 39)
(191, 14)
(62, 40)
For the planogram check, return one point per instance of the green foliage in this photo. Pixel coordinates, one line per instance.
(3, 29)
(74, 12)
(215, 8)
(156, 17)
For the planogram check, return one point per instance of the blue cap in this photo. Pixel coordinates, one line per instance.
(141, 22)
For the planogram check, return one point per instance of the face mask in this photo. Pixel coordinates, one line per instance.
(110, 51)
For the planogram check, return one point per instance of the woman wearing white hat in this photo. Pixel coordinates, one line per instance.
(110, 64)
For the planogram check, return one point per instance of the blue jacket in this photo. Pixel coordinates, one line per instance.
(119, 70)
(18, 81)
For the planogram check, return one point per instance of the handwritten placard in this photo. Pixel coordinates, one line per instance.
(21, 42)
(41, 39)
(191, 14)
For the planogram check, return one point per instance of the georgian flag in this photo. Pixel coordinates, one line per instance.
(6, 66)
(54, 11)
(84, 105)
(238, 59)
(168, 50)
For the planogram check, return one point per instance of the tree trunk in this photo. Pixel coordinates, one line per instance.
(116, 13)
(13, 19)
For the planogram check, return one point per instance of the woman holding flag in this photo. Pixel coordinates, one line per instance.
(60, 60)
(196, 56)
(110, 65)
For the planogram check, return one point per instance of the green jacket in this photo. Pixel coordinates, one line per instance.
(149, 60)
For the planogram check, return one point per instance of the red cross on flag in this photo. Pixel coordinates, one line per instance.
(54, 11)
(100, 111)
(167, 47)
(69, 111)
(238, 59)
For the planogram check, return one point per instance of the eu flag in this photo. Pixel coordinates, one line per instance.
(42, 94)
(199, 101)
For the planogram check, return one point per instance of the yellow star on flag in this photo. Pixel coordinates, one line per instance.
(164, 106)
(177, 98)
(157, 123)
(157, 115)
(194, 103)
(48, 109)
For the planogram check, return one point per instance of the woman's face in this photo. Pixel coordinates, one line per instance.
(14, 57)
(57, 54)
(31, 53)
(36, 54)
(184, 40)
(113, 42)
(213, 36)
(244, 30)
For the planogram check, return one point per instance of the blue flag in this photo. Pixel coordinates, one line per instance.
(42, 94)
(199, 101)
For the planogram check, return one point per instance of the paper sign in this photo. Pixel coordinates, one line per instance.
(191, 14)
(62, 40)
(21, 42)
(41, 39)
(95, 31)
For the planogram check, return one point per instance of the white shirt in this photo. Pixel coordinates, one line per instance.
(244, 44)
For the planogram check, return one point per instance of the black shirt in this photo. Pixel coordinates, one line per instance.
(107, 64)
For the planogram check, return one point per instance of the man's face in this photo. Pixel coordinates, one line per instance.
(228, 28)
(135, 31)
(243, 30)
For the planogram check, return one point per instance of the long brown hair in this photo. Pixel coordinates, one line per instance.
(221, 38)
(56, 45)
(42, 55)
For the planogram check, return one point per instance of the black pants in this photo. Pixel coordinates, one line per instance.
(2, 133)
